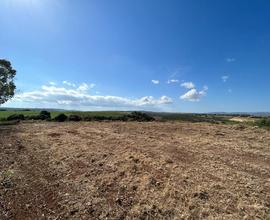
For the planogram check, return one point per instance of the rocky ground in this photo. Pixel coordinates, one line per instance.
(132, 170)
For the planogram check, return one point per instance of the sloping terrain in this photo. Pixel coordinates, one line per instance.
(132, 170)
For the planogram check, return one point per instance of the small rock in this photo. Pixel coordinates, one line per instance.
(168, 160)
(202, 195)
(74, 211)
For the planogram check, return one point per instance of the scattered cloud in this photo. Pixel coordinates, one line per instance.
(230, 60)
(172, 81)
(193, 95)
(155, 81)
(92, 85)
(188, 85)
(69, 83)
(52, 83)
(205, 88)
(79, 96)
(225, 78)
(150, 100)
(166, 100)
(83, 87)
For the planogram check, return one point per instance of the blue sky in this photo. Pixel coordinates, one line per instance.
(176, 55)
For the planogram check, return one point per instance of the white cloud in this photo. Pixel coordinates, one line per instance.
(172, 81)
(83, 87)
(79, 97)
(229, 60)
(150, 100)
(52, 83)
(92, 85)
(166, 100)
(155, 81)
(225, 78)
(188, 85)
(69, 83)
(193, 95)
(205, 88)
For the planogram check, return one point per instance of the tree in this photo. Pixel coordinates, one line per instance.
(7, 86)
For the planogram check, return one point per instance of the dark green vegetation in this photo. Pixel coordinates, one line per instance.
(5, 112)
(7, 86)
(62, 115)
(265, 122)
(15, 117)
(11, 115)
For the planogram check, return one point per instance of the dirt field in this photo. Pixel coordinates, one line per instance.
(118, 170)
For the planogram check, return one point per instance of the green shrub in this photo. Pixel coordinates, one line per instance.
(121, 118)
(74, 118)
(88, 118)
(134, 116)
(140, 116)
(15, 117)
(263, 122)
(99, 118)
(44, 115)
(61, 117)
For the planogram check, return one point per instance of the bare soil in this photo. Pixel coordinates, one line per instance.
(132, 170)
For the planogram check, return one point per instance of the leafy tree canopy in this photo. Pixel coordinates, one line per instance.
(7, 86)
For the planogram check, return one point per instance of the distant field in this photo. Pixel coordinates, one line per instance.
(161, 116)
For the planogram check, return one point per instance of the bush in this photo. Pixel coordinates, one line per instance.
(263, 122)
(44, 115)
(61, 117)
(121, 118)
(140, 116)
(74, 118)
(134, 116)
(15, 117)
(99, 118)
(88, 118)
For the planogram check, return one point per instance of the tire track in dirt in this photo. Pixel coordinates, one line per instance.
(36, 192)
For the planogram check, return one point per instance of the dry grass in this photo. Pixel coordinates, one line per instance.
(242, 119)
(118, 170)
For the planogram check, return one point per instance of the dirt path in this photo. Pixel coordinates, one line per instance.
(156, 170)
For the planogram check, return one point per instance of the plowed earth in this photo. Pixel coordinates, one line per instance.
(132, 170)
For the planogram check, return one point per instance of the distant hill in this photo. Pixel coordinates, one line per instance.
(32, 109)
(260, 114)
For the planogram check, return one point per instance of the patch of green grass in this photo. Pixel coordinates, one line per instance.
(5, 114)
(6, 179)
(7, 174)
